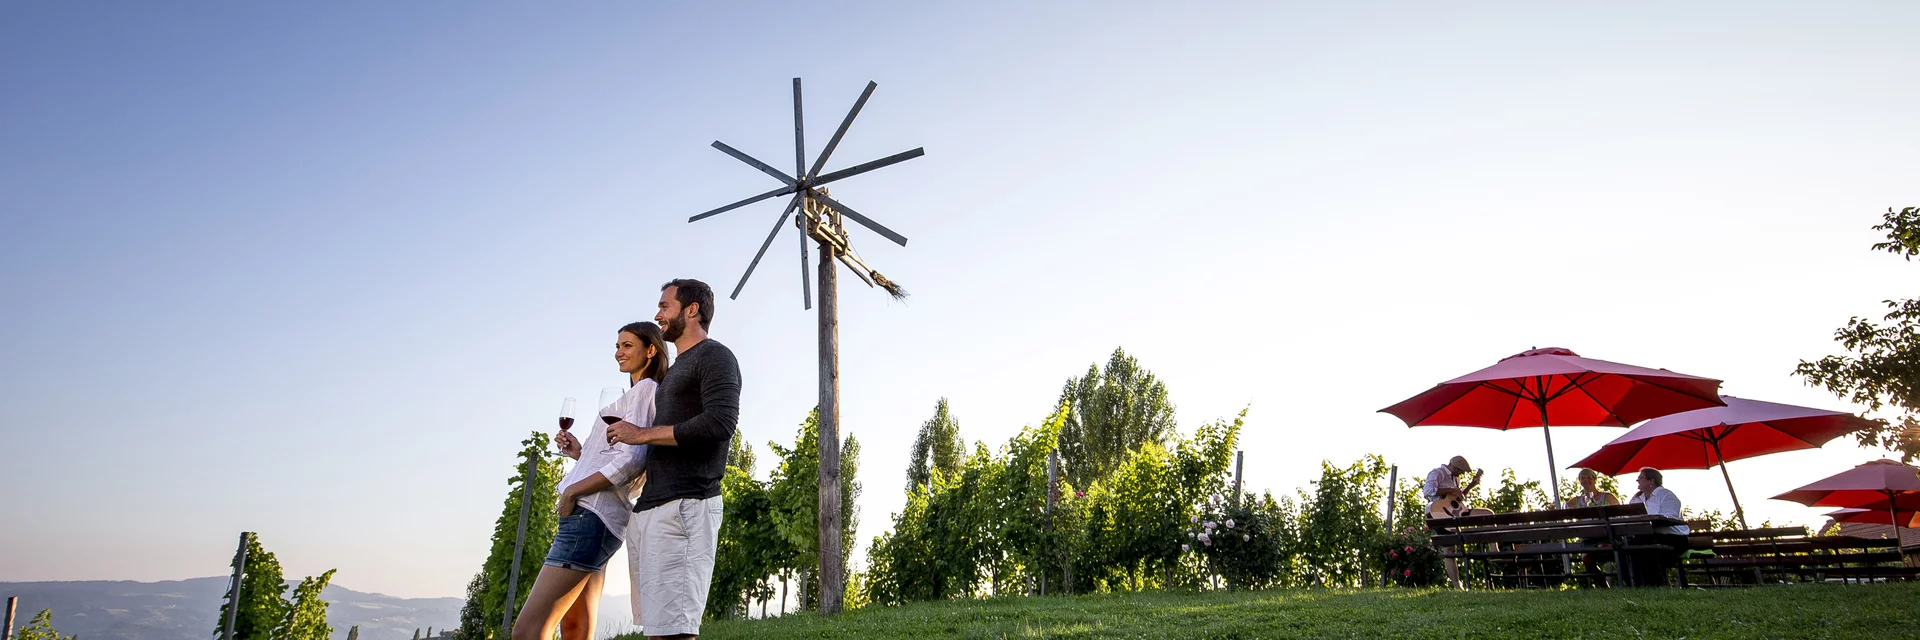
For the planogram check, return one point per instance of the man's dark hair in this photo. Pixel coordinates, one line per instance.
(1651, 474)
(690, 291)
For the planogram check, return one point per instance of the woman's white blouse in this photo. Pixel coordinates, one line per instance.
(621, 465)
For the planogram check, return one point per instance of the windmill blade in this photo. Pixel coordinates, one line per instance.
(834, 142)
(776, 192)
(762, 166)
(863, 168)
(763, 247)
(863, 220)
(799, 134)
(806, 284)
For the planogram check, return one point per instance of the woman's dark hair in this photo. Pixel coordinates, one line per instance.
(649, 334)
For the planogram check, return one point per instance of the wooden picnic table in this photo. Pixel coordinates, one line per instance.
(1525, 538)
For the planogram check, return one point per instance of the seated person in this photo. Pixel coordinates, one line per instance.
(1649, 568)
(1590, 494)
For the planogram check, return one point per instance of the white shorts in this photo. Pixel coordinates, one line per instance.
(670, 557)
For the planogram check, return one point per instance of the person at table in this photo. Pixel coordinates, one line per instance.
(1445, 498)
(1590, 494)
(1650, 567)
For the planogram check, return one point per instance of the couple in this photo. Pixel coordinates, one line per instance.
(672, 436)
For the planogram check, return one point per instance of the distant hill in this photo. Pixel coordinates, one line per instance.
(189, 609)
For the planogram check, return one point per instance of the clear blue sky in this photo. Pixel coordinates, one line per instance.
(313, 270)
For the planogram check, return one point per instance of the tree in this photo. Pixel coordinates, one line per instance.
(794, 491)
(261, 607)
(306, 615)
(740, 454)
(1884, 368)
(41, 628)
(1113, 411)
(480, 614)
(938, 447)
(353, 633)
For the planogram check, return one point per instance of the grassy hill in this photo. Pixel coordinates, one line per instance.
(1786, 611)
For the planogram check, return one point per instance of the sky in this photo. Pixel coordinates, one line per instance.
(313, 270)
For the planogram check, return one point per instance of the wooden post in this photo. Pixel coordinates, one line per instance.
(1393, 488)
(1239, 458)
(519, 545)
(233, 595)
(1053, 495)
(12, 602)
(832, 584)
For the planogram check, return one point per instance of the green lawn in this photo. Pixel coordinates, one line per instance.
(1786, 611)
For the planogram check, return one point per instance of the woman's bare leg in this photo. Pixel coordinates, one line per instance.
(580, 619)
(553, 592)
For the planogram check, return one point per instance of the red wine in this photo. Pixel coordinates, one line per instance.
(610, 419)
(565, 423)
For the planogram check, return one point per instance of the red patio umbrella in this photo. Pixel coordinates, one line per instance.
(1540, 387)
(1704, 438)
(1881, 485)
(1908, 518)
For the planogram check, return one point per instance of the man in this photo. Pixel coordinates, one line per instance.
(1650, 567)
(1443, 486)
(676, 523)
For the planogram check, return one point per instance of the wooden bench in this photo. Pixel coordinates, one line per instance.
(1528, 547)
(1786, 554)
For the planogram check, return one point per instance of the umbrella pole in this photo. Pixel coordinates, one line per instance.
(1553, 469)
(1737, 511)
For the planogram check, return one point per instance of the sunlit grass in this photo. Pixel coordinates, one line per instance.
(1789, 611)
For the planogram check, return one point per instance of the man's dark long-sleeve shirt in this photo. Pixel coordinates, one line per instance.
(700, 398)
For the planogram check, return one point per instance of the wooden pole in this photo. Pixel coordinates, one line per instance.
(519, 545)
(233, 595)
(1239, 459)
(12, 602)
(832, 589)
(1393, 489)
(1053, 495)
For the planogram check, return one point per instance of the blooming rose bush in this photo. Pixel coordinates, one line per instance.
(1409, 556)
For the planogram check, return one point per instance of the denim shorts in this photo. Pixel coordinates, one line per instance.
(583, 543)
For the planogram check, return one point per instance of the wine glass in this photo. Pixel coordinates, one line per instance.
(566, 414)
(609, 396)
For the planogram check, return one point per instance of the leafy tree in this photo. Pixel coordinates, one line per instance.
(794, 491)
(1339, 522)
(41, 628)
(261, 586)
(1884, 368)
(1513, 495)
(306, 615)
(1115, 411)
(481, 613)
(750, 547)
(937, 448)
(740, 454)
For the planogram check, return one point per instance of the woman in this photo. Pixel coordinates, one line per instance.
(1590, 494)
(593, 499)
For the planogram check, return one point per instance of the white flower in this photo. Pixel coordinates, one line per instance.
(1229, 524)
(1209, 525)
(1204, 539)
(1245, 537)
(1185, 548)
(1196, 518)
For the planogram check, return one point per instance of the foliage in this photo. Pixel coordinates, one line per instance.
(1114, 411)
(1884, 369)
(353, 633)
(1338, 525)
(750, 548)
(1570, 486)
(938, 448)
(306, 616)
(740, 454)
(480, 614)
(1513, 495)
(41, 628)
(1243, 541)
(261, 586)
(772, 528)
(1411, 560)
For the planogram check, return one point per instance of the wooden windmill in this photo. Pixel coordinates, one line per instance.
(821, 220)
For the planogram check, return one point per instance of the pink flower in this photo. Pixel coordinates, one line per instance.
(1245, 537)
(1079, 494)
(1196, 519)
(1204, 539)
(1409, 548)
(1209, 525)
(1185, 548)
(1393, 555)
(1229, 524)
(1407, 573)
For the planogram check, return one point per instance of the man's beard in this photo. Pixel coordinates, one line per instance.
(675, 326)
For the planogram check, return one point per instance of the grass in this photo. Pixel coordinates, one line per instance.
(1785, 611)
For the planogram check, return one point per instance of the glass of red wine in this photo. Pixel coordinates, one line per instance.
(609, 397)
(566, 414)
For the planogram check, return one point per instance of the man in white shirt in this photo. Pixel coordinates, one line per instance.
(1443, 483)
(1650, 567)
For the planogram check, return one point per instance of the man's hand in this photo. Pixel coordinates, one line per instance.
(628, 433)
(624, 432)
(569, 446)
